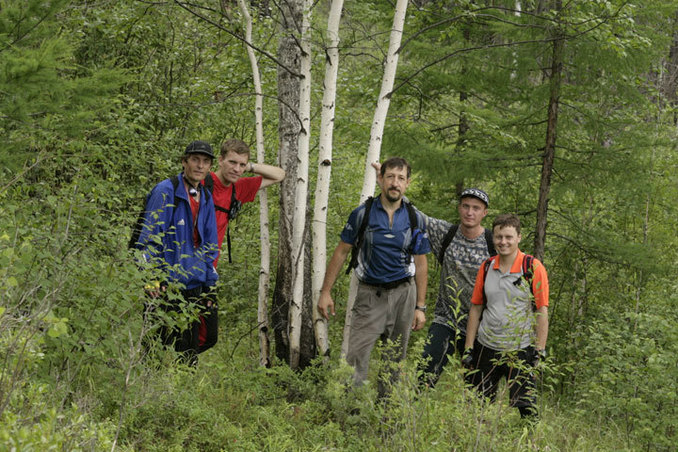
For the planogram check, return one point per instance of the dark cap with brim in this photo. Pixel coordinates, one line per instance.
(476, 193)
(199, 147)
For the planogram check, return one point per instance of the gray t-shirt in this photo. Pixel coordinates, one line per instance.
(461, 262)
(508, 320)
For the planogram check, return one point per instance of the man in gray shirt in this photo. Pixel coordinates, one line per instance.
(460, 249)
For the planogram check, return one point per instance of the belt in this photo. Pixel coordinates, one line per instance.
(389, 285)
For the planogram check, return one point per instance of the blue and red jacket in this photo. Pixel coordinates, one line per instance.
(167, 235)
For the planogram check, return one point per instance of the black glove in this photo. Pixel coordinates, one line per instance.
(536, 357)
(209, 297)
(468, 359)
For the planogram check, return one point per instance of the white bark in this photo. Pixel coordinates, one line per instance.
(265, 269)
(324, 172)
(301, 191)
(373, 152)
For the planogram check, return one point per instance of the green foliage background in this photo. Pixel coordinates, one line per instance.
(97, 99)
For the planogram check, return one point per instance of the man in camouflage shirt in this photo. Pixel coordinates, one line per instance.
(460, 249)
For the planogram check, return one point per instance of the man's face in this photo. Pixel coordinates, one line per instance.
(472, 211)
(196, 167)
(232, 165)
(506, 240)
(393, 183)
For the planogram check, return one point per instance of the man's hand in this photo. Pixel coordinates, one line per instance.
(377, 167)
(537, 357)
(155, 289)
(210, 298)
(419, 320)
(325, 305)
(468, 359)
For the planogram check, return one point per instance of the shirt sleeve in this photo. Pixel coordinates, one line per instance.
(436, 230)
(421, 243)
(246, 188)
(479, 287)
(350, 231)
(540, 284)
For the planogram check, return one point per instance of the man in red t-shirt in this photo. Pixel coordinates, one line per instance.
(233, 162)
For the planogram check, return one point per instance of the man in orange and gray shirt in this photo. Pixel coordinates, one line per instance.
(511, 337)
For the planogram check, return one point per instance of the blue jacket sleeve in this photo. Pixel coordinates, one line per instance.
(157, 216)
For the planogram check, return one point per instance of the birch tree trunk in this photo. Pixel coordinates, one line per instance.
(289, 129)
(301, 191)
(265, 270)
(376, 134)
(550, 149)
(324, 172)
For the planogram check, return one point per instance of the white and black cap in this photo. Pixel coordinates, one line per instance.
(476, 193)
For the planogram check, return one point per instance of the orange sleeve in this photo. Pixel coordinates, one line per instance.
(477, 297)
(540, 284)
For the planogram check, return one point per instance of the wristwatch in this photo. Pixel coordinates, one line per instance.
(420, 308)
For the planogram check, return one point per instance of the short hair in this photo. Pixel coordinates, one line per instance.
(507, 219)
(235, 145)
(396, 162)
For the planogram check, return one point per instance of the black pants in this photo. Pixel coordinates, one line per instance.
(200, 334)
(492, 365)
(442, 344)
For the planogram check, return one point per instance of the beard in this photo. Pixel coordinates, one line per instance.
(391, 198)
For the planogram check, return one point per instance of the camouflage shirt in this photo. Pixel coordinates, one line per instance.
(462, 260)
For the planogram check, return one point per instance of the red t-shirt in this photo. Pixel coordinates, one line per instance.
(195, 207)
(246, 189)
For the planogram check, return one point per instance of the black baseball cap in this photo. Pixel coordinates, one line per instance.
(476, 193)
(199, 147)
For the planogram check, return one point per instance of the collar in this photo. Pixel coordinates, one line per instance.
(517, 263)
(181, 189)
(377, 202)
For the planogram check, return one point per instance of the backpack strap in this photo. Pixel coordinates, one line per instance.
(231, 212)
(490, 242)
(355, 250)
(446, 242)
(209, 182)
(486, 269)
(209, 185)
(175, 184)
(528, 274)
(414, 222)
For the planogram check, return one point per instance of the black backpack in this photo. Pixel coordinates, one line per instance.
(450, 235)
(355, 250)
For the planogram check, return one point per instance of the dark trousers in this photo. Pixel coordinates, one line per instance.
(443, 342)
(492, 365)
(208, 331)
(200, 334)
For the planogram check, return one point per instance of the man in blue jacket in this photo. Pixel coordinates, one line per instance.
(179, 239)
